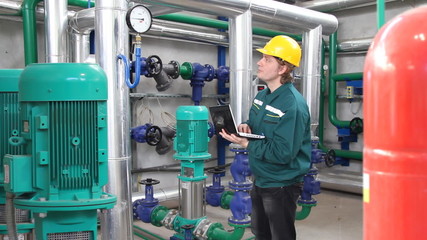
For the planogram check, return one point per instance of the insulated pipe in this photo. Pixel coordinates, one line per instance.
(265, 11)
(334, 5)
(220, 24)
(82, 23)
(312, 43)
(112, 38)
(56, 22)
(11, 8)
(241, 66)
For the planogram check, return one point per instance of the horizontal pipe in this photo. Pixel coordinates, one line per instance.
(220, 24)
(264, 11)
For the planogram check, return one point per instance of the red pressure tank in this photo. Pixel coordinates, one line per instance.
(395, 129)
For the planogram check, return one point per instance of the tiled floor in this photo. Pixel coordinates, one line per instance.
(338, 216)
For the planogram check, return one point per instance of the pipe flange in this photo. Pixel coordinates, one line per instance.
(167, 221)
(201, 231)
(176, 72)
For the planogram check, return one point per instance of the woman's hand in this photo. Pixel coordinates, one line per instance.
(234, 138)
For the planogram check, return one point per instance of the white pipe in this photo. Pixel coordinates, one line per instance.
(335, 5)
(81, 24)
(240, 33)
(56, 22)
(111, 39)
(312, 43)
(265, 11)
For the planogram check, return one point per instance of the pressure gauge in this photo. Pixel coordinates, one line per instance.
(139, 19)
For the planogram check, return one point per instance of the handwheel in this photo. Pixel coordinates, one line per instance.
(330, 158)
(154, 65)
(153, 135)
(356, 125)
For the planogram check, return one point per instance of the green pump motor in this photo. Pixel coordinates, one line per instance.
(9, 127)
(191, 146)
(63, 122)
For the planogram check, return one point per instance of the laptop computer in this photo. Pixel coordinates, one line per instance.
(222, 117)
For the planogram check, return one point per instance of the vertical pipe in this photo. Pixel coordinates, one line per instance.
(56, 22)
(380, 13)
(112, 37)
(312, 43)
(30, 33)
(241, 94)
(80, 47)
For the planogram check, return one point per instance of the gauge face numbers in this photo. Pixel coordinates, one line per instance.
(139, 19)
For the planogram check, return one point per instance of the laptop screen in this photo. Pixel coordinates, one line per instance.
(222, 118)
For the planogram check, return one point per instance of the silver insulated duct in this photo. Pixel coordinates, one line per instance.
(111, 39)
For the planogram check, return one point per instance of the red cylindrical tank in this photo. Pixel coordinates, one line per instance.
(395, 126)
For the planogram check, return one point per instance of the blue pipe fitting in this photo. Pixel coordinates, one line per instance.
(199, 75)
(188, 231)
(311, 187)
(241, 208)
(211, 130)
(139, 133)
(241, 203)
(222, 73)
(214, 192)
(240, 167)
(143, 208)
(143, 66)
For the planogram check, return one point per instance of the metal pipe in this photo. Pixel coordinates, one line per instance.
(312, 43)
(354, 45)
(265, 11)
(81, 24)
(334, 5)
(56, 22)
(220, 24)
(112, 38)
(241, 65)
(12, 8)
(340, 180)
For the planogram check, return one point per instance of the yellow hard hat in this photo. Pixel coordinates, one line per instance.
(283, 47)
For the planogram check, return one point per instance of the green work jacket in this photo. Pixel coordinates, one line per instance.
(283, 157)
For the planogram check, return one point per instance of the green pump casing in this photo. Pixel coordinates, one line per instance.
(9, 127)
(63, 122)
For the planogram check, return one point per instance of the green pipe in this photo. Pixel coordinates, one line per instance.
(338, 152)
(332, 84)
(347, 77)
(158, 214)
(81, 3)
(148, 232)
(380, 13)
(28, 10)
(226, 198)
(304, 212)
(217, 232)
(214, 23)
(30, 34)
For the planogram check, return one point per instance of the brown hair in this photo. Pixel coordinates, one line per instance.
(286, 77)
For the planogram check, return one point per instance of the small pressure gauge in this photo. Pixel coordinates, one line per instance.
(139, 19)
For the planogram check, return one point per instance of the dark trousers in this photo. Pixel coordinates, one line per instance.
(273, 212)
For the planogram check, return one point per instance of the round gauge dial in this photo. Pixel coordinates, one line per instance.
(139, 19)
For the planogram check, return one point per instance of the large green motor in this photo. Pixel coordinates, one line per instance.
(63, 122)
(9, 127)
